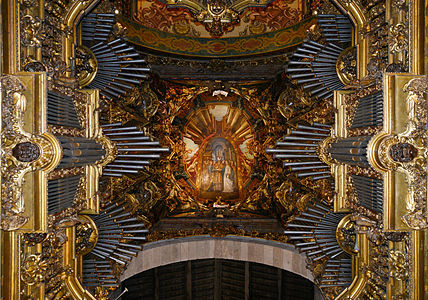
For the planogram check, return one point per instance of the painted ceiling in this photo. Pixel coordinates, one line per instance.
(217, 165)
(215, 28)
(252, 20)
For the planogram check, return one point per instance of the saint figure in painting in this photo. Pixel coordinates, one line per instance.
(218, 168)
(228, 184)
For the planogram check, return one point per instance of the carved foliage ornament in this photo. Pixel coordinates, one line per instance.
(33, 268)
(398, 39)
(22, 152)
(406, 152)
(217, 18)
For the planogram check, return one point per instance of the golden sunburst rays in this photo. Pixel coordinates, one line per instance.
(200, 125)
(238, 125)
(233, 125)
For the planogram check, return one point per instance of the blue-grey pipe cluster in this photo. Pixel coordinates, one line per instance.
(118, 232)
(314, 232)
(299, 149)
(135, 150)
(120, 67)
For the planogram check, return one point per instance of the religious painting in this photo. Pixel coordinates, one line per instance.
(218, 170)
(217, 161)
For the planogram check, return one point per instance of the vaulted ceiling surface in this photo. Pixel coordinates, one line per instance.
(212, 279)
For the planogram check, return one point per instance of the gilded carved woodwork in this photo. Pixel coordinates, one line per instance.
(404, 152)
(385, 246)
(346, 65)
(23, 152)
(215, 231)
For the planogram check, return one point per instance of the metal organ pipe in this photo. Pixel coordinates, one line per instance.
(127, 139)
(302, 156)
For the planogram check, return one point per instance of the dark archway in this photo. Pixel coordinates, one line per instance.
(215, 279)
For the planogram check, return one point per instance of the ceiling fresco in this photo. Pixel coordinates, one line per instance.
(217, 140)
(171, 43)
(219, 18)
(217, 165)
(218, 161)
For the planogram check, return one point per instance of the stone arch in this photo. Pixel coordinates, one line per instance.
(266, 252)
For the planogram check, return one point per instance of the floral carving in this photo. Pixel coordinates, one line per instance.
(398, 39)
(31, 31)
(218, 17)
(33, 269)
(275, 16)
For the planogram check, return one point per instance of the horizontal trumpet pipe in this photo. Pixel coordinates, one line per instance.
(124, 166)
(120, 129)
(312, 128)
(275, 150)
(297, 232)
(312, 173)
(301, 163)
(321, 177)
(143, 162)
(308, 133)
(142, 138)
(145, 149)
(142, 69)
(124, 133)
(121, 171)
(119, 144)
(308, 168)
(294, 156)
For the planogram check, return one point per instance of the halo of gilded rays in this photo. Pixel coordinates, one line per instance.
(235, 128)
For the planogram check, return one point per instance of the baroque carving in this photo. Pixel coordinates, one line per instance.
(33, 268)
(23, 152)
(85, 66)
(406, 153)
(216, 231)
(218, 17)
(47, 267)
(86, 236)
(346, 65)
(398, 40)
(32, 32)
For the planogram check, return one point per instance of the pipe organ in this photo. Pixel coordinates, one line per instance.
(62, 111)
(313, 65)
(61, 193)
(330, 157)
(135, 150)
(335, 28)
(352, 150)
(79, 151)
(116, 67)
(119, 233)
(369, 192)
(314, 233)
(369, 111)
(299, 148)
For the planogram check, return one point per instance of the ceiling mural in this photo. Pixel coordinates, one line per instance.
(217, 165)
(218, 161)
(216, 155)
(171, 43)
(217, 18)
